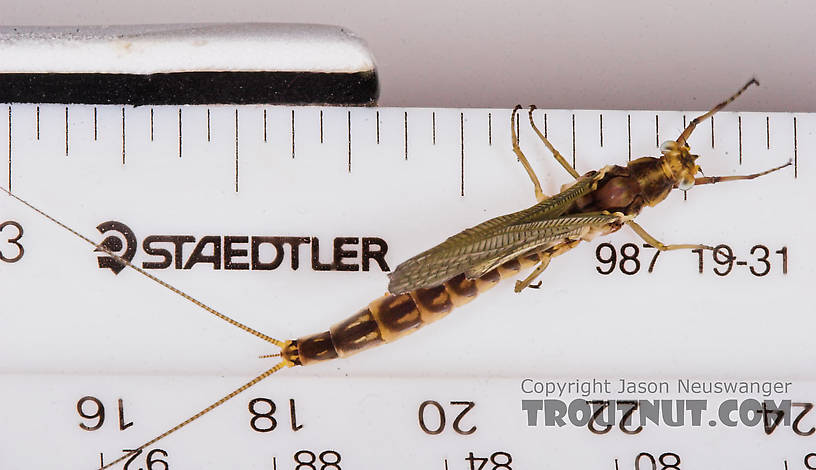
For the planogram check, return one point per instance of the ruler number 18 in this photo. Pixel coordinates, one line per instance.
(11, 249)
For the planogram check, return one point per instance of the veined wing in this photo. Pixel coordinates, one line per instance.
(547, 209)
(478, 250)
(412, 274)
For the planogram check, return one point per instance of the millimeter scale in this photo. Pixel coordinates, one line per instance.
(288, 218)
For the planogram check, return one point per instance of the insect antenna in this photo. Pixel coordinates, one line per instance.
(201, 413)
(690, 128)
(175, 290)
(721, 179)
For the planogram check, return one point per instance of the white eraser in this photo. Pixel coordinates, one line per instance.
(146, 49)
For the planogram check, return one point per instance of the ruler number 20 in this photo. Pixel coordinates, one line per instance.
(15, 231)
(440, 417)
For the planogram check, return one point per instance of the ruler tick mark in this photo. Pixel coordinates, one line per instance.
(405, 133)
(573, 140)
(208, 125)
(433, 128)
(151, 124)
(684, 121)
(600, 127)
(38, 121)
(348, 127)
(489, 129)
(657, 131)
(712, 131)
(616, 465)
(739, 138)
(545, 125)
(9, 148)
(321, 126)
(378, 127)
(264, 125)
(462, 158)
(66, 131)
(94, 119)
(446, 464)
(236, 150)
(292, 124)
(767, 132)
(629, 134)
(795, 151)
(179, 132)
(123, 133)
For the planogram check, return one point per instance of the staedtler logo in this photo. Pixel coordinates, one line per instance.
(114, 243)
(239, 252)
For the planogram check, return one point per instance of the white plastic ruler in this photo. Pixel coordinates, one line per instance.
(193, 186)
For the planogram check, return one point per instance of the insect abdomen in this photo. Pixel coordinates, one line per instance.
(393, 316)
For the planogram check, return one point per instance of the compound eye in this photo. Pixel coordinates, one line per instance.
(667, 146)
(685, 184)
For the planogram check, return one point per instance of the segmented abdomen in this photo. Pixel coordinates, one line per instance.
(393, 316)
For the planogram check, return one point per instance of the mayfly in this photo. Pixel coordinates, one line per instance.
(430, 285)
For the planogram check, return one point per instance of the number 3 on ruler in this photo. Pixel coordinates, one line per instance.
(14, 241)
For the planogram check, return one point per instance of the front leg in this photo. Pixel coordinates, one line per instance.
(560, 158)
(539, 195)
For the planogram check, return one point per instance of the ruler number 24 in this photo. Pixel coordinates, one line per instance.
(11, 249)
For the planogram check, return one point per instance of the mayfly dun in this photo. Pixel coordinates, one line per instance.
(430, 285)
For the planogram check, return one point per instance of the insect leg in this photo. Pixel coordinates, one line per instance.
(659, 245)
(720, 179)
(688, 130)
(552, 149)
(520, 285)
(517, 150)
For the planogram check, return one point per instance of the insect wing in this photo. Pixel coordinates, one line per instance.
(475, 256)
(466, 250)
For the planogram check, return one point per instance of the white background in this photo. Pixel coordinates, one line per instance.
(634, 54)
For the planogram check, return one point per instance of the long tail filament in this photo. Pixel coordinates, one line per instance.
(281, 344)
(201, 413)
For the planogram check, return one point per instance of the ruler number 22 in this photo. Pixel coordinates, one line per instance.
(9, 227)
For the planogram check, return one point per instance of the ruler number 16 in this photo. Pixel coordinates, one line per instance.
(11, 249)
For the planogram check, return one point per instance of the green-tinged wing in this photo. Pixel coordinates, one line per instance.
(549, 208)
(469, 250)
(483, 247)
